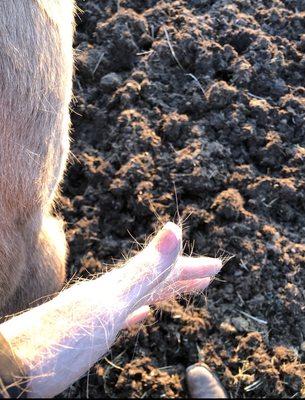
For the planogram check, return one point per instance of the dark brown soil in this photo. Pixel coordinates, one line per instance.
(208, 97)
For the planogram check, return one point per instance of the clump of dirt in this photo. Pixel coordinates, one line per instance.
(206, 97)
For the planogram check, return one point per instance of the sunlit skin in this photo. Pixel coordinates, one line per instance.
(61, 339)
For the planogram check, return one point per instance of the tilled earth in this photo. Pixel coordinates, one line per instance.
(195, 109)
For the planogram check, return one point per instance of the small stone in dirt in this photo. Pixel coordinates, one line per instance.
(110, 82)
(241, 324)
(227, 329)
(303, 346)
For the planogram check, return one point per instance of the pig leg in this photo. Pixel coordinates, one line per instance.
(189, 275)
(44, 269)
(61, 339)
(36, 66)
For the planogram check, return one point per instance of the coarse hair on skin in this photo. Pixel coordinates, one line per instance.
(36, 69)
(133, 250)
(175, 294)
(187, 296)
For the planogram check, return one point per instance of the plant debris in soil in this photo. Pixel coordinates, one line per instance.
(195, 108)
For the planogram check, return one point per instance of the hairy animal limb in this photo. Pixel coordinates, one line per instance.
(36, 66)
(61, 339)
